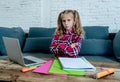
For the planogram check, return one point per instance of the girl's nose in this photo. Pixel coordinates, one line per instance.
(66, 22)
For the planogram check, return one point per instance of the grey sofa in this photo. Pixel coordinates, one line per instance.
(98, 45)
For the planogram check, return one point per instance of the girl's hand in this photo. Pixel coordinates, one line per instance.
(73, 45)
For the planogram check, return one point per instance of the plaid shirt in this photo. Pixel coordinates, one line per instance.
(61, 47)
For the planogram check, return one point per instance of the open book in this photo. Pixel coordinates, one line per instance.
(76, 64)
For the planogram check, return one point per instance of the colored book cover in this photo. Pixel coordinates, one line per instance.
(44, 69)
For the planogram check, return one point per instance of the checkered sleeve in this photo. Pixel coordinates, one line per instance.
(73, 51)
(54, 45)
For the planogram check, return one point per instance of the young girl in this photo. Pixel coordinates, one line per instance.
(68, 35)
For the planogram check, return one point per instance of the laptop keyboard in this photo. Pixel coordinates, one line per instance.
(27, 61)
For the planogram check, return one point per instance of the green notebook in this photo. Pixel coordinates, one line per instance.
(56, 68)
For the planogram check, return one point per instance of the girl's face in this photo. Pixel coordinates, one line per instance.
(67, 21)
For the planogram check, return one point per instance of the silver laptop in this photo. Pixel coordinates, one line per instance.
(15, 54)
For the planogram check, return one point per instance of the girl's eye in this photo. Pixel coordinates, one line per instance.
(68, 20)
(63, 20)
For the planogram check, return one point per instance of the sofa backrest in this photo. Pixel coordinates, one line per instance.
(41, 32)
(96, 32)
(96, 42)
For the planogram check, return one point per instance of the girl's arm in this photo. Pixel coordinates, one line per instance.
(74, 48)
(54, 45)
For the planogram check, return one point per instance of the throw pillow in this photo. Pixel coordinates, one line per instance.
(116, 45)
(16, 32)
(40, 44)
(96, 47)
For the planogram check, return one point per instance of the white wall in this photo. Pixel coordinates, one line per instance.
(44, 13)
(23, 13)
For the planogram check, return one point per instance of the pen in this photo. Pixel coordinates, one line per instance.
(29, 68)
(105, 73)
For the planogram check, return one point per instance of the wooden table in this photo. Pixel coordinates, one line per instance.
(10, 72)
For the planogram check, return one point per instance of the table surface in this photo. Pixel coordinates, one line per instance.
(10, 72)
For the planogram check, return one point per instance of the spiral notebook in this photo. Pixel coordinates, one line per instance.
(76, 64)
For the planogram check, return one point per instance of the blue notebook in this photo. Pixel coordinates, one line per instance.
(76, 64)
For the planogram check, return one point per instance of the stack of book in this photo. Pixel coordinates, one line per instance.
(66, 66)
(56, 68)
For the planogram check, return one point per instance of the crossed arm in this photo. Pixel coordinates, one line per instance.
(68, 49)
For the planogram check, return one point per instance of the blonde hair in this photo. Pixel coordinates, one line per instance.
(77, 23)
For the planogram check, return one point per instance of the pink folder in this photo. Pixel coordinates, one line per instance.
(44, 68)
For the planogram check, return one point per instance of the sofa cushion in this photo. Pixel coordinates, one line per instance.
(96, 47)
(41, 32)
(16, 32)
(116, 45)
(96, 32)
(40, 44)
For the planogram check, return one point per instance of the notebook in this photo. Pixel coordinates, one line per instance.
(76, 64)
(56, 68)
(15, 54)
